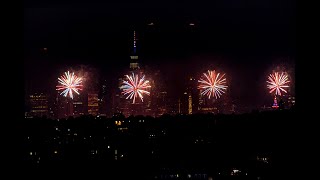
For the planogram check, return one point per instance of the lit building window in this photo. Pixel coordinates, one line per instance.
(263, 159)
(94, 152)
(235, 172)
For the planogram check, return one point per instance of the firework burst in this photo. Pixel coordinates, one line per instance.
(277, 82)
(69, 83)
(134, 87)
(212, 84)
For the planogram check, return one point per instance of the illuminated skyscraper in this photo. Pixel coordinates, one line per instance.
(120, 102)
(79, 105)
(38, 104)
(193, 100)
(190, 104)
(275, 103)
(93, 104)
(134, 57)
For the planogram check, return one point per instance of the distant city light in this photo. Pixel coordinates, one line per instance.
(118, 123)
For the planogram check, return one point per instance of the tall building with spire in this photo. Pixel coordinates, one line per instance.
(38, 104)
(121, 104)
(134, 57)
(275, 103)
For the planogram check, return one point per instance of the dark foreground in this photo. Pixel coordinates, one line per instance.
(248, 146)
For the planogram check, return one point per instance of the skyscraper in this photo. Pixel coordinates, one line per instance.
(120, 101)
(79, 104)
(64, 107)
(134, 57)
(38, 104)
(93, 104)
(104, 100)
(192, 91)
(190, 104)
(157, 102)
(275, 103)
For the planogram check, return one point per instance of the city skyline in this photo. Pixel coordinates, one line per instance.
(92, 74)
(190, 100)
(180, 42)
(157, 90)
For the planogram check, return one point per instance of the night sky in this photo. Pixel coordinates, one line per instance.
(246, 39)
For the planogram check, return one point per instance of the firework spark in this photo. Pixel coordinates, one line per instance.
(135, 87)
(277, 82)
(212, 84)
(68, 83)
